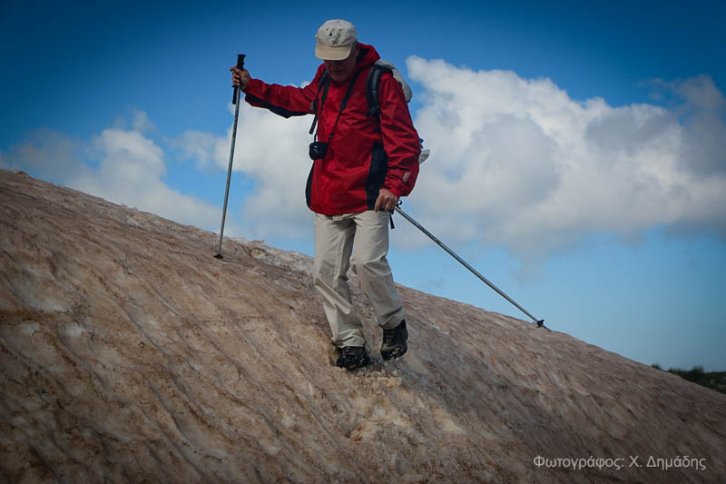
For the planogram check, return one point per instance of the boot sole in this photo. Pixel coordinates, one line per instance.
(392, 355)
(358, 364)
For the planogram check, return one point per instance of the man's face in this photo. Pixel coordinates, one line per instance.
(341, 70)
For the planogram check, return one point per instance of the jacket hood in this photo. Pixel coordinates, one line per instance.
(367, 56)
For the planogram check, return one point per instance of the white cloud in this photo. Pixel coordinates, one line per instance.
(45, 153)
(517, 162)
(130, 172)
(123, 166)
(698, 92)
(271, 151)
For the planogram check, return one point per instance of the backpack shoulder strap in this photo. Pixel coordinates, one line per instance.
(373, 83)
(323, 85)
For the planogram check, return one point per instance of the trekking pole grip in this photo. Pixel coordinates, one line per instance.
(240, 65)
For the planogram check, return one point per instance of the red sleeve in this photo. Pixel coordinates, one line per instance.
(283, 100)
(400, 139)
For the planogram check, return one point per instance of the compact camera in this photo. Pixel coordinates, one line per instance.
(317, 150)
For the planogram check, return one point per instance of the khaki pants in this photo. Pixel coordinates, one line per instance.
(364, 236)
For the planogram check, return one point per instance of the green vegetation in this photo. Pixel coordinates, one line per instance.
(715, 380)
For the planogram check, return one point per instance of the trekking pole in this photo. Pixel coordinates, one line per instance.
(540, 322)
(235, 101)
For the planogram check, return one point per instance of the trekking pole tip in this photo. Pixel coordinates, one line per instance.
(219, 256)
(540, 323)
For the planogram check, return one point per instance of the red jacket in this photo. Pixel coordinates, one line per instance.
(361, 157)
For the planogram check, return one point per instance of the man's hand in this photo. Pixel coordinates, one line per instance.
(386, 200)
(240, 77)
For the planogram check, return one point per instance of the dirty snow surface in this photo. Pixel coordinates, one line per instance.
(129, 353)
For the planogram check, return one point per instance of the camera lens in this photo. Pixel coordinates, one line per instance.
(317, 150)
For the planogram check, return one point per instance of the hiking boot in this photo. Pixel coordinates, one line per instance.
(352, 357)
(394, 342)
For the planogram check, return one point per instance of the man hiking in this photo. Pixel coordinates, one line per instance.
(363, 162)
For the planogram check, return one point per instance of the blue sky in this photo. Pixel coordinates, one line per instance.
(578, 148)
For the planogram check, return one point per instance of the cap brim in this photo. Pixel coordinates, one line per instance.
(325, 52)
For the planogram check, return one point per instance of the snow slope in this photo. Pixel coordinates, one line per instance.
(128, 353)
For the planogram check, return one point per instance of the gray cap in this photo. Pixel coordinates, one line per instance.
(335, 39)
